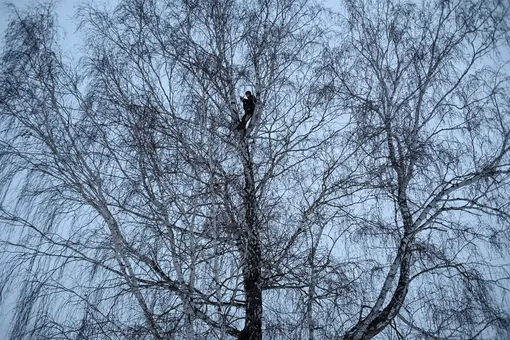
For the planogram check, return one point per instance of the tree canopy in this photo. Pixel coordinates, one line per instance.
(367, 197)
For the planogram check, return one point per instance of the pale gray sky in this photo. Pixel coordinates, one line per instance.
(67, 8)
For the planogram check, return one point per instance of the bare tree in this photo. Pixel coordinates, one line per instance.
(430, 103)
(367, 195)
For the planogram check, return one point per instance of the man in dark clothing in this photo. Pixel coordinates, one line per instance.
(249, 102)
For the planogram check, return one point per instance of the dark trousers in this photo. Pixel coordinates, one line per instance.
(244, 121)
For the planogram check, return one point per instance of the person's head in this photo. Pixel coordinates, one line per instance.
(248, 94)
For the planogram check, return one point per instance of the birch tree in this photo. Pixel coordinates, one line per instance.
(428, 90)
(367, 197)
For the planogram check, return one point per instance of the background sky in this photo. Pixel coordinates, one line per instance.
(65, 11)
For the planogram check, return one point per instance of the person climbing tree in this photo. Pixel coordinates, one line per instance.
(249, 102)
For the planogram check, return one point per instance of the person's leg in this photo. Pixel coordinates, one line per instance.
(247, 117)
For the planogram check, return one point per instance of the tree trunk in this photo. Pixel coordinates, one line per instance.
(251, 254)
(253, 319)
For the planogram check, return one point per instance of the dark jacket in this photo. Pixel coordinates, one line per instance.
(249, 103)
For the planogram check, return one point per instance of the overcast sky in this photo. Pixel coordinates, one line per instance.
(65, 8)
(65, 11)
